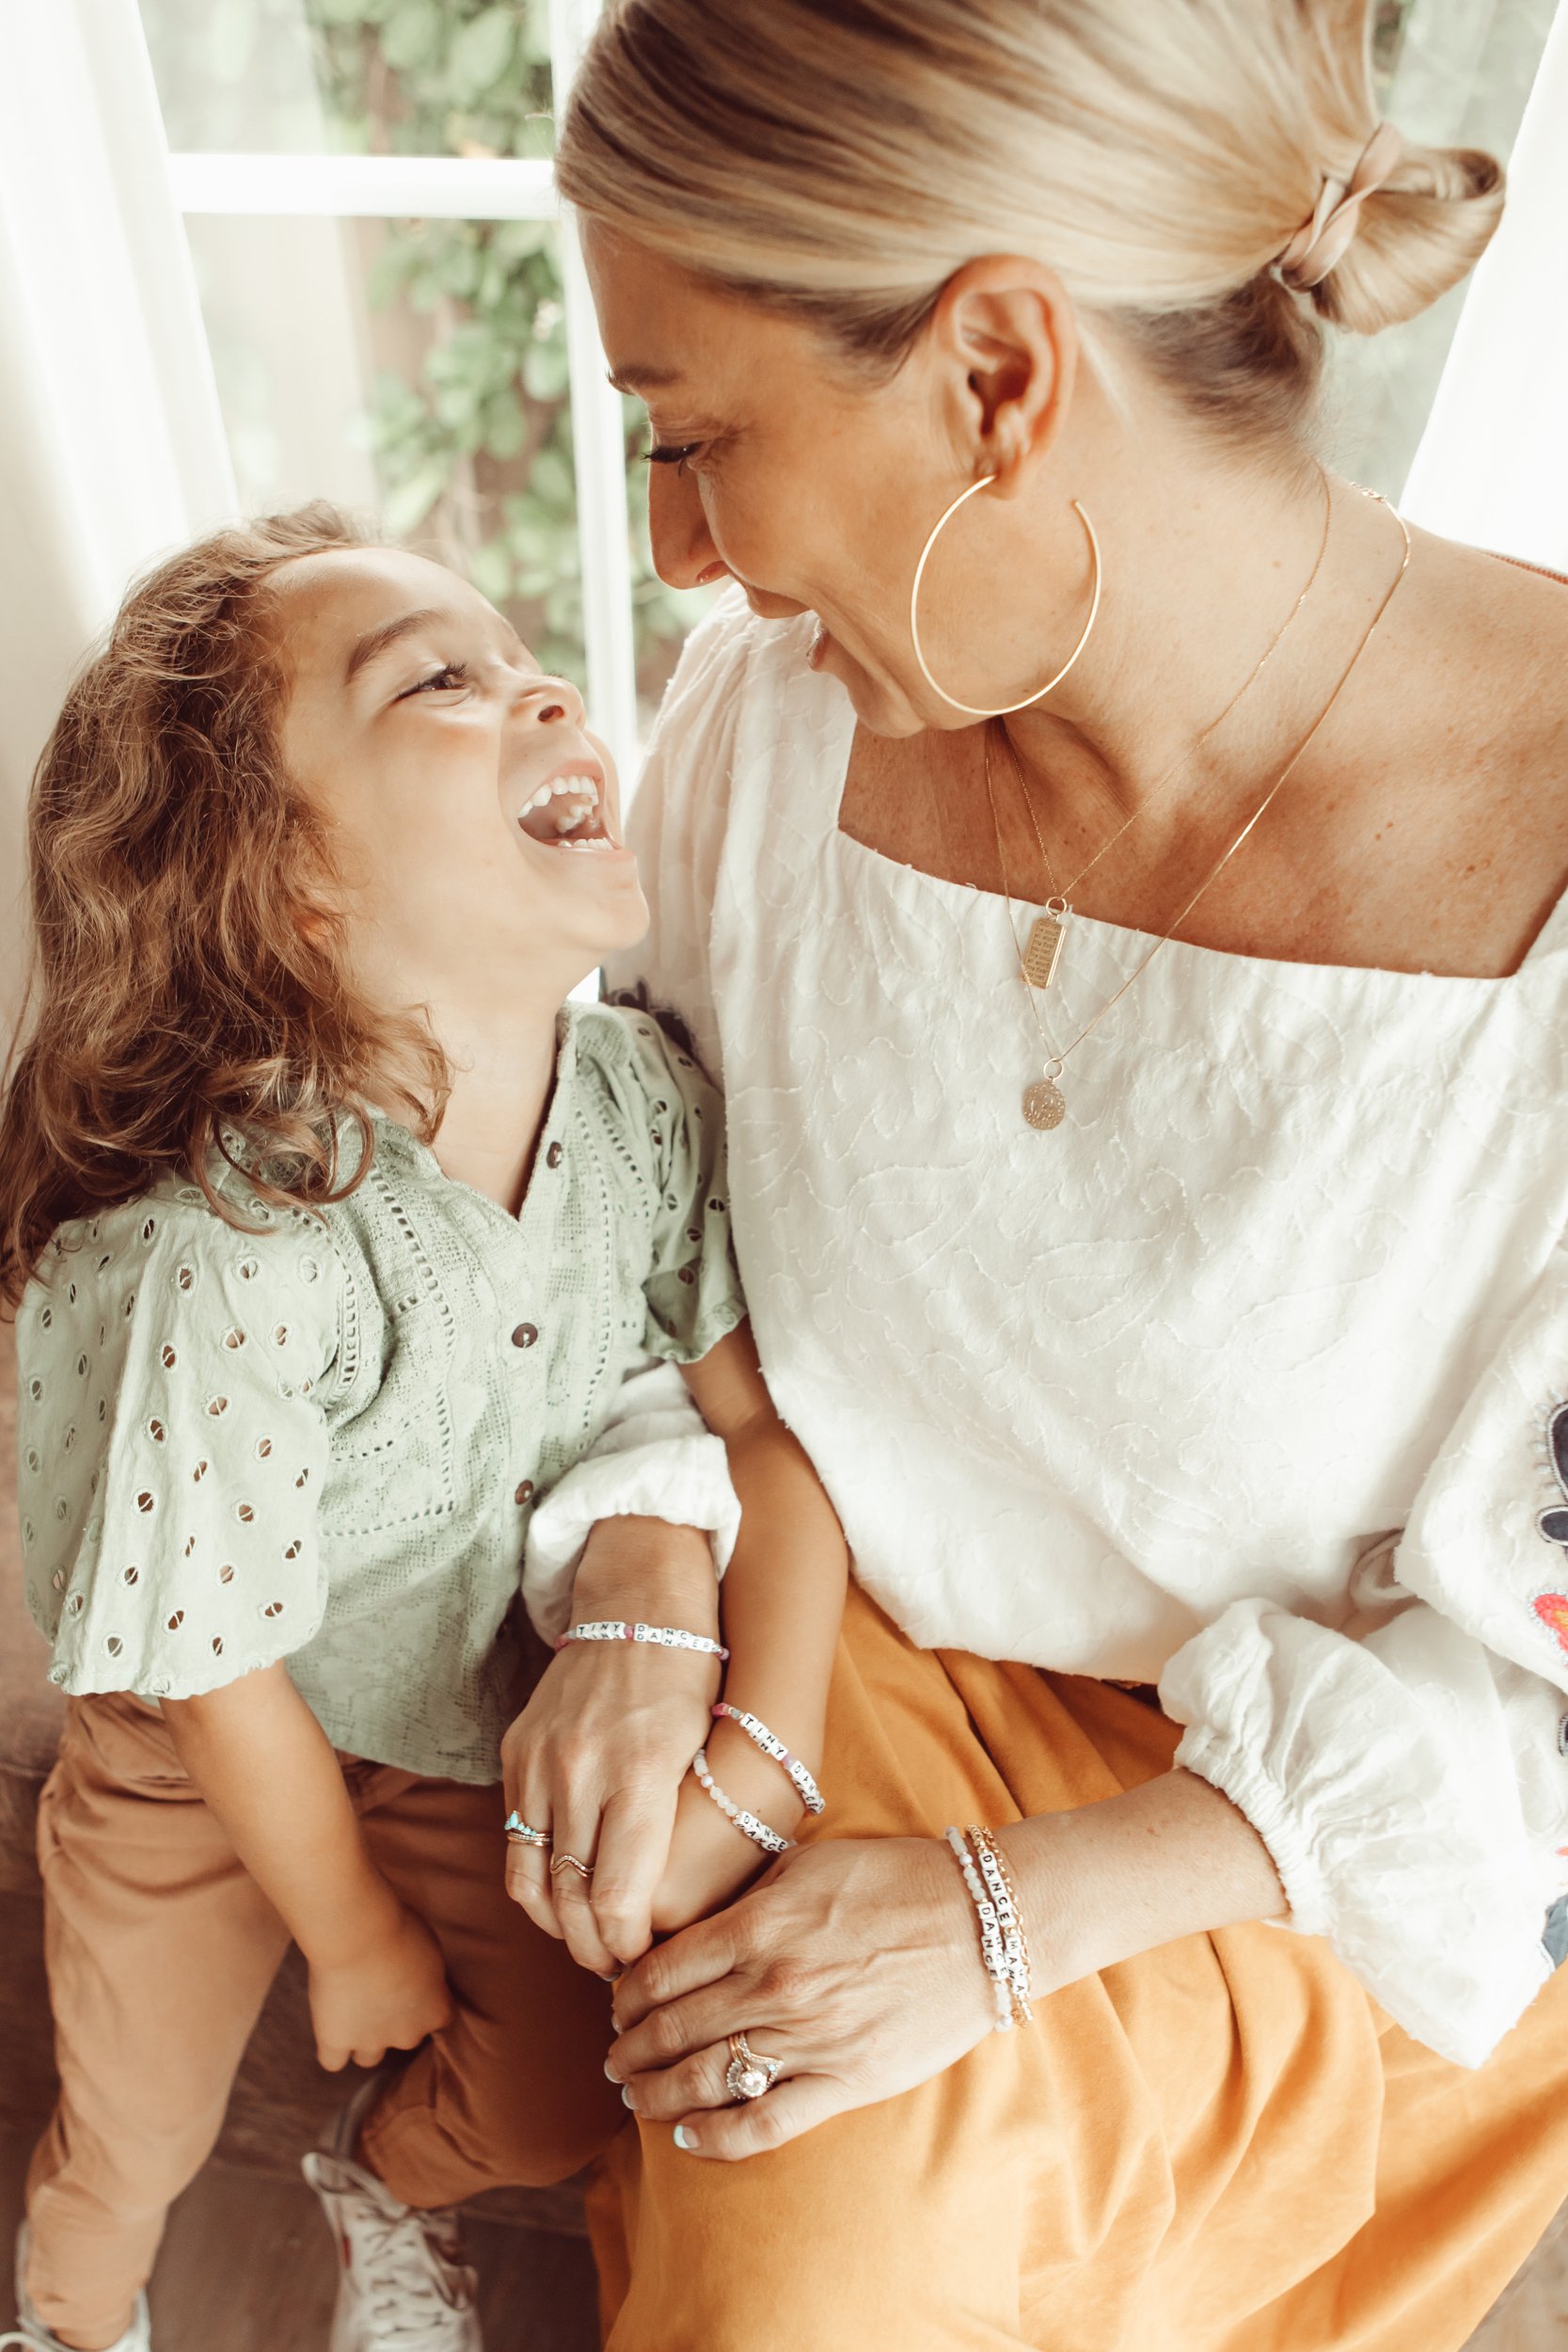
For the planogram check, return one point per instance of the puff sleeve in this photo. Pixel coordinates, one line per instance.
(1408, 1769)
(173, 1448)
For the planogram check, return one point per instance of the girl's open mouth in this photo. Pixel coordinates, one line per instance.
(568, 812)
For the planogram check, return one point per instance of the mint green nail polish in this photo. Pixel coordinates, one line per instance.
(685, 2138)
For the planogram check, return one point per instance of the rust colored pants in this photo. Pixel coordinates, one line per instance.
(161, 1949)
(1223, 2146)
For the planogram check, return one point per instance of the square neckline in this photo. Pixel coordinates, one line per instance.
(1550, 939)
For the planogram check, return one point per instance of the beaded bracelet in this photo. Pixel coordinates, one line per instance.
(1003, 1949)
(747, 1824)
(663, 1636)
(1015, 1951)
(772, 1745)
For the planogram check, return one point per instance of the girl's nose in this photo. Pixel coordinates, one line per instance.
(552, 702)
(677, 528)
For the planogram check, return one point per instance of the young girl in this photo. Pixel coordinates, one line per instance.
(336, 1232)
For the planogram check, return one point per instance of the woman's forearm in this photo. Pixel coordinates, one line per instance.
(267, 1771)
(1106, 1882)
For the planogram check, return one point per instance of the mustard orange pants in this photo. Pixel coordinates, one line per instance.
(1223, 2146)
(161, 1949)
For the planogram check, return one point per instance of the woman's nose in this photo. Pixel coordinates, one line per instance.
(677, 528)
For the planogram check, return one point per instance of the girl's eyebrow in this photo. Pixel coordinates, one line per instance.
(377, 641)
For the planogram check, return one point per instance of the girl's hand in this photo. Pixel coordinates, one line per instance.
(388, 1993)
(711, 1861)
(855, 1961)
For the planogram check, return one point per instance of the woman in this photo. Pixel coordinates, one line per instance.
(1191, 1310)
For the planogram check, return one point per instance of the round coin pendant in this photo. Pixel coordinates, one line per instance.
(1044, 1103)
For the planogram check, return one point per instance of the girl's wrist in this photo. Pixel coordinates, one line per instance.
(361, 1915)
(753, 1779)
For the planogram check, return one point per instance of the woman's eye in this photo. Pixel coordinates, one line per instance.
(451, 675)
(672, 454)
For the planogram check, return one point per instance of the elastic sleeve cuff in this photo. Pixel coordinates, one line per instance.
(685, 1481)
(1240, 1777)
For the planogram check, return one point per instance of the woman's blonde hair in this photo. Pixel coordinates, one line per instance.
(189, 998)
(841, 158)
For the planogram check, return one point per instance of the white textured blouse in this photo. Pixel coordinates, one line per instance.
(1147, 1397)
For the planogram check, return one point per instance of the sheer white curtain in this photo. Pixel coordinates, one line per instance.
(1493, 465)
(112, 448)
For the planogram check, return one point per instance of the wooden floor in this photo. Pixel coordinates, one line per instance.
(247, 2266)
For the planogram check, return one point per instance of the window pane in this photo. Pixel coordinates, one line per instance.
(399, 77)
(416, 372)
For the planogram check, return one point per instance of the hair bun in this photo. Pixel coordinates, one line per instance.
(1417, 235)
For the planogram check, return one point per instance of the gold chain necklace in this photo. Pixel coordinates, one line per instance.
(1043, 951)
(1044, 1103)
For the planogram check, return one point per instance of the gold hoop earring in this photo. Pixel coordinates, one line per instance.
(972, 710)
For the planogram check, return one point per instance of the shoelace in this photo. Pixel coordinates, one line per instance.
(398, 2257)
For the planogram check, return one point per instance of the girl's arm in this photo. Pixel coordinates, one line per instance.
(782, 1602)
(266, 1770)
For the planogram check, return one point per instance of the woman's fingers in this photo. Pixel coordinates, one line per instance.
(702, 1954)
(794, 2105)
(572, 1860)
(695, 2083)
(527, 1867)
(634, 1846)
(682, 2028)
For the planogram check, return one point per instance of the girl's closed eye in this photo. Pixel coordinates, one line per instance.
(446, 680)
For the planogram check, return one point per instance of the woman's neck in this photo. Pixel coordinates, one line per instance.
(1198, 584)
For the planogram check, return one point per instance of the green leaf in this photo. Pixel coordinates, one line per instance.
(404, 508)
(411, 37)
(480, 55)
(505, 426)
(545, 370)
(339, 11)
(490, 569)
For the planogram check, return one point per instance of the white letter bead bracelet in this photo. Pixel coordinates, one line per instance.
(1003, 1949)
(747, 1824)
(770, 1744)
(662, 1636)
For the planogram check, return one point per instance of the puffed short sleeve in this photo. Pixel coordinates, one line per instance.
(174, 1446)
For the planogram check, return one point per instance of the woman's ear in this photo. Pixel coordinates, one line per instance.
(1005, 329)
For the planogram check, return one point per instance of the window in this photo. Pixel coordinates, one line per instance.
(395, 320)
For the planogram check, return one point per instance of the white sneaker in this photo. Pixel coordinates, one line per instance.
(31, 2335)
(404, 2286)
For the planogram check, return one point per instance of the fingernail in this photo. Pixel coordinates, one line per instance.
(625, 2096)
(685, 2136)
(611, 2072)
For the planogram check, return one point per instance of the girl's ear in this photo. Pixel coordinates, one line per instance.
(1005, 328)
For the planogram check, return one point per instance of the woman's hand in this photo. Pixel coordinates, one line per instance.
(855, 1961)
(385, 1993)
(598, 1755)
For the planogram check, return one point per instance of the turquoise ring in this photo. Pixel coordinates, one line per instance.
(520, 1832)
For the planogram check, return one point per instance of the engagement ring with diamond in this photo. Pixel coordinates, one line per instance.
(749, 2074)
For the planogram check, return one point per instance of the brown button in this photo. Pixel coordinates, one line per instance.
(554, 1156)
(525, 1491)
(525, 1335)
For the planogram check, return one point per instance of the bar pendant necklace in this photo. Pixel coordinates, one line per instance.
(1044, 1103)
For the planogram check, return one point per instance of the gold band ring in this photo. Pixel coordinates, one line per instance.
(569, 1862)
(749, 2074)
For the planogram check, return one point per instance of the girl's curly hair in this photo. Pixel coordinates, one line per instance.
(190, 1001)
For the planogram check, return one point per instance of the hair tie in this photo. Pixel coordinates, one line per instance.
(1320, 242)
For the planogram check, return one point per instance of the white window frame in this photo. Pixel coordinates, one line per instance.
(399, 188)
